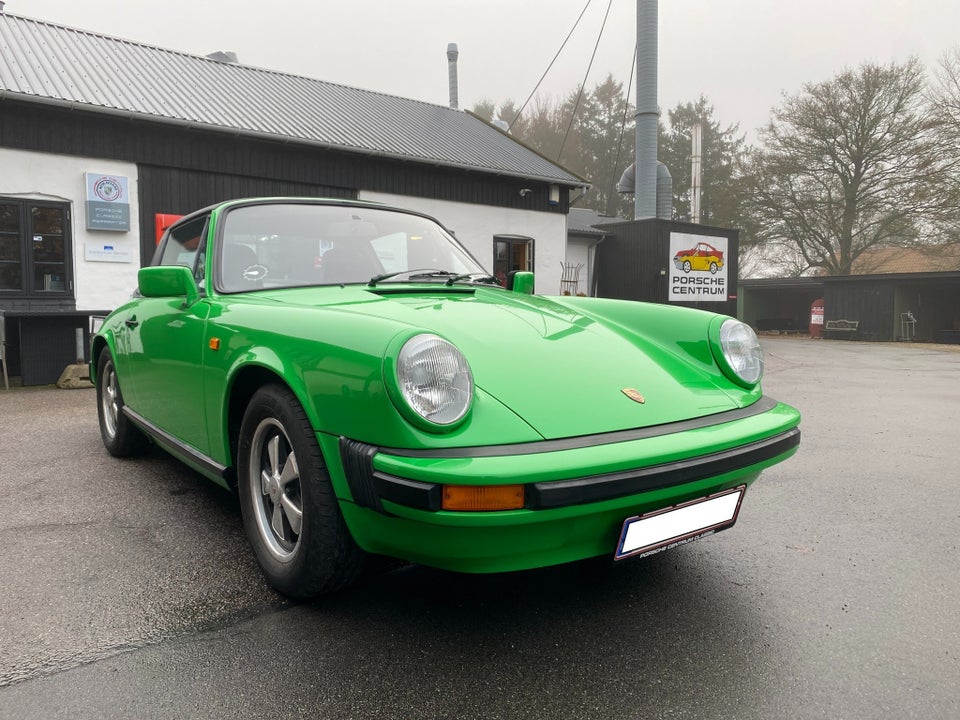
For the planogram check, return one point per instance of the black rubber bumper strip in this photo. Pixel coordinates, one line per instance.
(595, 488)
(584, 441)
(563, 493)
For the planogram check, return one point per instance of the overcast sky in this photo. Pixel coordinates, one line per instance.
(742, 54)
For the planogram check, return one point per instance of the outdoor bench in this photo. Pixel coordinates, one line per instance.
(841, 328)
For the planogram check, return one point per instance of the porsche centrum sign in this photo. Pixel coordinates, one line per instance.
(698, 271)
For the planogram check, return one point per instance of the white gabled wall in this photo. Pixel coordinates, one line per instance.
(476, 225)
(60, 178)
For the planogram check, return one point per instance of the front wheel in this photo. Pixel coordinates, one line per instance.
(289, 508)
(686, 266)
(120, 436)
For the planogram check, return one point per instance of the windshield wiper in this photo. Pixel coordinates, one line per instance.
(475, 278)
(419, 273)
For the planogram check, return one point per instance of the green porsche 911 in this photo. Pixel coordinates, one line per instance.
(368, 388)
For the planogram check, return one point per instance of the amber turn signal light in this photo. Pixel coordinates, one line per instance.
(472, 498)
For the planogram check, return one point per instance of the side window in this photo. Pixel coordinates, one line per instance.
(186, 245)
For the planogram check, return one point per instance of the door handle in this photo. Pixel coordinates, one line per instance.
(131, 322)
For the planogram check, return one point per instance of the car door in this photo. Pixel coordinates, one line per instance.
(166, 339)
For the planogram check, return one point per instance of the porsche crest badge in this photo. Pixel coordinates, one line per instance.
(634, 395)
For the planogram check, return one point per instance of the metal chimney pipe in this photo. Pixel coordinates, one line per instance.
(696, 171)
(452, 55)
(645, 199)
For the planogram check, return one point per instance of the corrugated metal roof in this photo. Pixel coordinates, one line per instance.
(51, 63)
(585, 221)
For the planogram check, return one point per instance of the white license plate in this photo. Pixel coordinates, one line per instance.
(660, 530)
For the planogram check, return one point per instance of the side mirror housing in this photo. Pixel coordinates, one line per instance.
(520, 282)
(171, 281)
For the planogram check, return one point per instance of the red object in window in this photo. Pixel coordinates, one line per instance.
(162, 221)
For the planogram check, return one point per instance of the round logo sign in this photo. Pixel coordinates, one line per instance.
(107, 189)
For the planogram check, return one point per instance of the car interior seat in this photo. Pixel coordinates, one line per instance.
(236, 275)
(346, 263)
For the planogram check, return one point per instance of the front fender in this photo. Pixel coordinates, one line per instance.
(343, 393)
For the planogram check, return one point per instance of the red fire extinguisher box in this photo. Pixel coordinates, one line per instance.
(816, 318)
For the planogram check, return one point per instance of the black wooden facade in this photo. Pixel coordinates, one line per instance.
(187, 168)
(181, 168)
(879, 304)
(634, 263)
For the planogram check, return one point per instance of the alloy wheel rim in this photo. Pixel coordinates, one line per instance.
(275, 489)
(109, 401)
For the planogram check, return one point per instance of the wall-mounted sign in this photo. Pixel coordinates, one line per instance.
(698, 268)
(108, 202)
(106, 252)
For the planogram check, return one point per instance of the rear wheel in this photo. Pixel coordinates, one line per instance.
(289, 509)
(120, 436)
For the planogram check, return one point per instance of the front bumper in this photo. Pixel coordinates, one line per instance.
(577, 491)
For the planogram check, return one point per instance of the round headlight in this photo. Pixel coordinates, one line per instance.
(741, 350)
(434, 379)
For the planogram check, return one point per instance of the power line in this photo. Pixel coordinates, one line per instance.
(540, 81)
(623, 125)
(583, 84)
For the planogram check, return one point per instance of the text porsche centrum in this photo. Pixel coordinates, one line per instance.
(367, 387)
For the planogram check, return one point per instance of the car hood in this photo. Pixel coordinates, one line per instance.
(564, 373)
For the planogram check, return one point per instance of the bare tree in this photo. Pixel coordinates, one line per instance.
(849, 164)
(944, 97)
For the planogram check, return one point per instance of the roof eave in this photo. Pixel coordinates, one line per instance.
(286, 140)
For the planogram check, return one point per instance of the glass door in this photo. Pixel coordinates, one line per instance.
(512, 253)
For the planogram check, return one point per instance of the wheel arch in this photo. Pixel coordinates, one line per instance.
(244, 383)
(97, 347)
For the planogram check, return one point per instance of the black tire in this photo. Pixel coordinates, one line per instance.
(120, 436)
(686, 266)
(280, 471)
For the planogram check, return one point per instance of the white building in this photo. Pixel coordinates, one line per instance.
(101, 138)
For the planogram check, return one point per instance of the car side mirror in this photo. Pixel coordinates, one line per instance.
(520, 282)
(171, 281)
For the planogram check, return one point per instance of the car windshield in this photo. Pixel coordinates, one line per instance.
(273, 245)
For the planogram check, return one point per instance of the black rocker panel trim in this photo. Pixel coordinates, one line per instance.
(178, 447)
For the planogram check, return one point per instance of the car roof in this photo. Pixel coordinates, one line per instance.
(340, 202)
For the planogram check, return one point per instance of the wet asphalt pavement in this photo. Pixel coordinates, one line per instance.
(127, 589)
